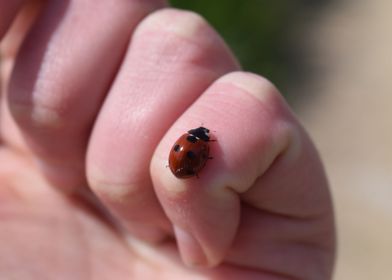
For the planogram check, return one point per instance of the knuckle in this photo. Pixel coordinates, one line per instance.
(42, 107)
(263, 90)
(175, 40)
(36, 116)
(113, 189)
(271, 104)
(258, 86)
(178, 22)
(170, 37)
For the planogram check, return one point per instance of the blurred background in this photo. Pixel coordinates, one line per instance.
(332, 60)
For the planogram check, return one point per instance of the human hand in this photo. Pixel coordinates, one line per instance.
(100, 112)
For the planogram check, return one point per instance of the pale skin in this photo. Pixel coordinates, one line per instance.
(88, 117)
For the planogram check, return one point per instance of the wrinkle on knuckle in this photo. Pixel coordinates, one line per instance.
(36, 116)
(43, 106)
(172, 35)
(259, 87)
(115, 191)
(175, 40)
(184, 24)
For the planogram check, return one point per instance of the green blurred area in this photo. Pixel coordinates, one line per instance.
(258, 31)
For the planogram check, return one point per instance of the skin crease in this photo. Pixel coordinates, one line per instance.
(261, 208)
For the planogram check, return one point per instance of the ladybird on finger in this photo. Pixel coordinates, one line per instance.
(190, 153)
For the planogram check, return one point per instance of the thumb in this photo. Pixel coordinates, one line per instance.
(205, 211)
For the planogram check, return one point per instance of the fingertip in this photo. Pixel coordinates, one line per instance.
(205, 216)
(190, 249)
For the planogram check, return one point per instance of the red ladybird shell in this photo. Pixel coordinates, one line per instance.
(189, 155)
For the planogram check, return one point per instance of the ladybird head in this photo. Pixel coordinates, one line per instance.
(201, 133)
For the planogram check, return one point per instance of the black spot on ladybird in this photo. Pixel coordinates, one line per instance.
(176, 148)
(190, 155)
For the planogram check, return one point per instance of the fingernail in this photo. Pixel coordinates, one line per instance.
(191, 252)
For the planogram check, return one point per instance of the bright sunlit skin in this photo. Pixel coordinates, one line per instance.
(93, 100)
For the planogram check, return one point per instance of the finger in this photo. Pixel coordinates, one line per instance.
(254, 129)
(9, 47)
(8, 11)
(173, 57)
(61, 76)
(21, 17)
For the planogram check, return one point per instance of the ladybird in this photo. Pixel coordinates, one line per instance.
(190, 153)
